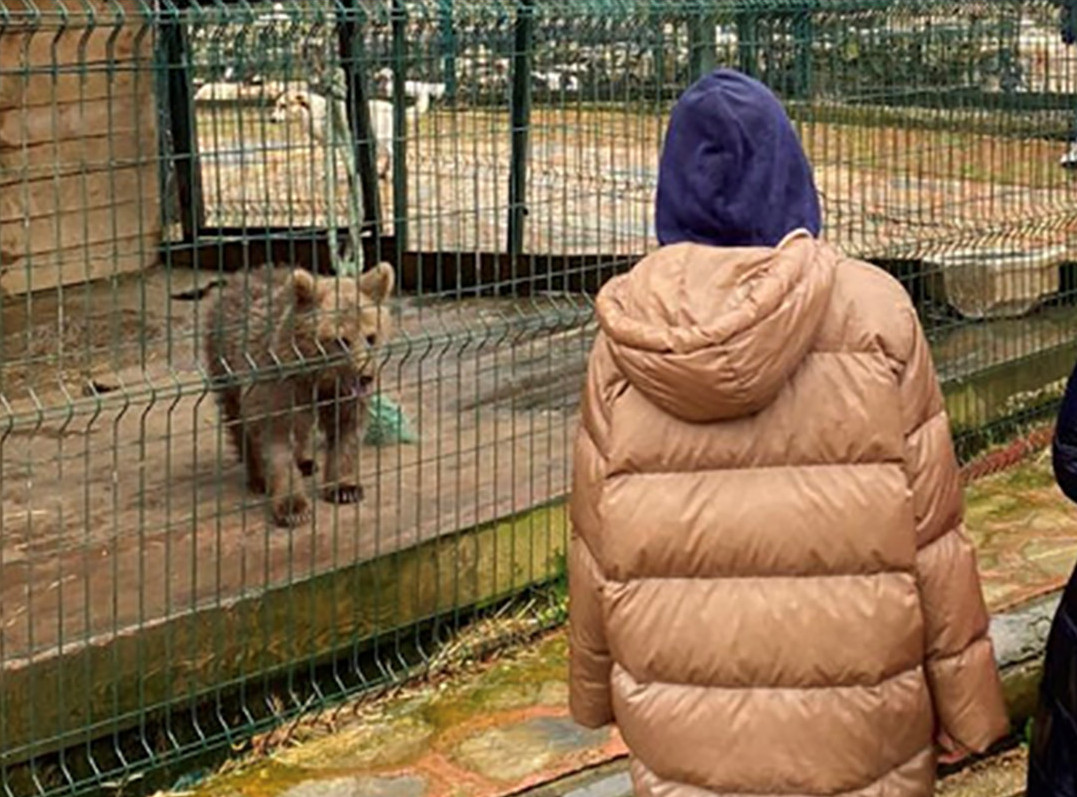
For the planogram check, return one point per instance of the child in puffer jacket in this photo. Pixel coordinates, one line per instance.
(771, 587)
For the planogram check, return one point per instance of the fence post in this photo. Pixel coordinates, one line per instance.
(521, 122)
(803, 42)
(400, 127)
(658, 46)
(701, 41)
(182, 123)
(448, 47)
(748, 42)
(350, 41)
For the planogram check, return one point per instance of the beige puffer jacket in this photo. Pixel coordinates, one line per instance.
(771, 591)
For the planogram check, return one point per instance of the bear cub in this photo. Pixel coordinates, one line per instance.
(287, 350)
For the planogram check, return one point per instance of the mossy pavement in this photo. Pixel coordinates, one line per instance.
(498, 728)
(1025, 533)
(502, 728)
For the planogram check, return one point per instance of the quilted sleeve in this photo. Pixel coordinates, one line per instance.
(961, 670)
(589, 656)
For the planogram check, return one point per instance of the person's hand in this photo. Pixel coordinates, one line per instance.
(951, 751)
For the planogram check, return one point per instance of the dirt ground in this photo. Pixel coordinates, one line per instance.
(124, 503)
(127, 504)
(887, 191)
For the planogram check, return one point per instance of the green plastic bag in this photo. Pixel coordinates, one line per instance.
(386, 423)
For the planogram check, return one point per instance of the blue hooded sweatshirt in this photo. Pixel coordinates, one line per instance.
(733, 172)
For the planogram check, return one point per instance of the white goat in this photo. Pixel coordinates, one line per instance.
(313, 109)
(218, 92)
(251, 91)
(557, 80)
(383, 81)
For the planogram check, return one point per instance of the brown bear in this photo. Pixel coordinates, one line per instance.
(285, 350)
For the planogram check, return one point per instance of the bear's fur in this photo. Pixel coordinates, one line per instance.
(285, 350)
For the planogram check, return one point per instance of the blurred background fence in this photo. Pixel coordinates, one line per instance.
(503, 156)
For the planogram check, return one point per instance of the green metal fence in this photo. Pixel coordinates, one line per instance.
(502, 156)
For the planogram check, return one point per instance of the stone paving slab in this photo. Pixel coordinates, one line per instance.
(1025, 532)
(503, 729)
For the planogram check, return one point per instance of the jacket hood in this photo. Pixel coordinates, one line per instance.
(733, 171)
(712, 333)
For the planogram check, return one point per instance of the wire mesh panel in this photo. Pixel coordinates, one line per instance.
(233, 490)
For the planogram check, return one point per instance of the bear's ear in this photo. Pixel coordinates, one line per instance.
(377, 283)
(305, 287)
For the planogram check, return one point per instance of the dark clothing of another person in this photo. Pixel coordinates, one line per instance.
(1052, 765)
(1067, 23)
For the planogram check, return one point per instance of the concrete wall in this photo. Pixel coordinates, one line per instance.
(79, 195)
